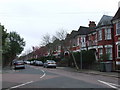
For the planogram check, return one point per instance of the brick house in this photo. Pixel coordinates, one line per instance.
(105, 40)
(81, 37)
(91, 38)
(116, 26)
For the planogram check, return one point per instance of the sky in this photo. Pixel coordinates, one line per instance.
(33, 19)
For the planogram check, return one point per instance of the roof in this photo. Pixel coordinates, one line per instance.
(105, 20)
(73, 33)
(83, 30)
(117, 15)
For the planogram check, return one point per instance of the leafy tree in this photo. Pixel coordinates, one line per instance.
(16, 44)
(13, 45)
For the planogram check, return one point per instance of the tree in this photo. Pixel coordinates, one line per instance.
(5, 44)
(54, 38)
(47, 42)
(13, 46)
(4, 39)
(16, 43)
(61, 35)
(46, 39)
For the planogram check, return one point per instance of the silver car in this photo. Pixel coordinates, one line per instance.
(49, 63)
(18, 64)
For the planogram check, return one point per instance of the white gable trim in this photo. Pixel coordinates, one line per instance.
(100, 46)
(108, 46)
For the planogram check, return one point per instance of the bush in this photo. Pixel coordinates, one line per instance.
(88, 58)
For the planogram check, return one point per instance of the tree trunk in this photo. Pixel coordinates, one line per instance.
(74, 61)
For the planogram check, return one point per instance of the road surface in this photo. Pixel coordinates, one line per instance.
(39, 77)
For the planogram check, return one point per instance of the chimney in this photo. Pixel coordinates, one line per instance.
(92, 24)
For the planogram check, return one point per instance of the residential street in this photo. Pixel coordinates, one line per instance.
(39, 77)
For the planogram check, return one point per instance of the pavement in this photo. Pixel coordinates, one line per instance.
(115, 74)
(6, 70)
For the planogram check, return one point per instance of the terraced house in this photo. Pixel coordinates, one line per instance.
(103, 38)
(116, 38)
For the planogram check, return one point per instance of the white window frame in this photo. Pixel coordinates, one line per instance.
(99, 35)
(100, 52)
(118, 28)
(109, 52)
(118, 51)
(107, 33)
(83, 41)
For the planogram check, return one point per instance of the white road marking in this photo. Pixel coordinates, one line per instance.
(22, 84)
(114, 84)
(43, 74)
(109, 84)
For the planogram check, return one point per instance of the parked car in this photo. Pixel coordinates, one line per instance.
(31, 62)
(18, 64)
(25, 61)
(38, 63)
(28, 62)
(49, 63)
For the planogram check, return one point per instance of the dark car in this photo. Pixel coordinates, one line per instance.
(38, 63)
(18, 64)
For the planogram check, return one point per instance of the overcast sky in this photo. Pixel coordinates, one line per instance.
(34, 18)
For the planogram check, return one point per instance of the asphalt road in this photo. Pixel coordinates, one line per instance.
(39, 77)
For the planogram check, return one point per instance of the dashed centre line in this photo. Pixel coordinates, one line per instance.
(43, 74)
(21, 85)
(27, 82)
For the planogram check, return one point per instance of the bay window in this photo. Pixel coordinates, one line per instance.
(118, 28)
(118, 51)
(100, 35)
(109, 52)
(107, 33)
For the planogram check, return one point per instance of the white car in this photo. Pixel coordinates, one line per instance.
(49, 63)
(28, 62)
(31, 62)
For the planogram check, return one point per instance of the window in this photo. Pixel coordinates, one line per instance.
(118, 50)
(100, 35)
(118, 28)
(109, 53)
(100, 52)
(107, 33)
(83, 42)
(78, 41)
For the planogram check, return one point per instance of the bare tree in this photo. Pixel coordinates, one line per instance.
(46, 39)
(54, 38)
(61, 35)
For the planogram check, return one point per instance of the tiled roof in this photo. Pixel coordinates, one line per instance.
(72, 34)
(105, 20)
(117, 15)
(83, 30)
